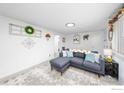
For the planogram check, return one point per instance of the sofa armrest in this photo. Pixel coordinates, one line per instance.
(102, 65)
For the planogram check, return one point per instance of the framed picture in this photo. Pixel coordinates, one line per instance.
(76, 39)
(63, 39)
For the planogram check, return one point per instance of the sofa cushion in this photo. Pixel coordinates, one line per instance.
(69, 54)
(91, 65)
(60, 61)
(90, 57)
(79, 54)
(64, 53)
(77, 60)
(97, 58)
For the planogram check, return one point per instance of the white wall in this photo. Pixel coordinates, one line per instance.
(14, 56)
(95, 42)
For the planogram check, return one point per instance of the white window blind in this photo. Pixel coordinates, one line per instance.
(118, 36)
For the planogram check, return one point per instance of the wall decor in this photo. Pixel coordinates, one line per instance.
(86, 37)
(113, 20)
(28, 43)
(110, 35)
(19, 30)
(117, 15)
(48, 36)
(29, 30)
(76, 39)
(63, 39)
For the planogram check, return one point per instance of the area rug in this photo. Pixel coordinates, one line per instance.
(42, 75)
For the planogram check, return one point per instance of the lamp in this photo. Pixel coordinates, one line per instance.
(108, 54)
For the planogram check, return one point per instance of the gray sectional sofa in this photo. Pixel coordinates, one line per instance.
(78, 61)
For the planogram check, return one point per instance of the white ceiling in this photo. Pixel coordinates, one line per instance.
(87, 17)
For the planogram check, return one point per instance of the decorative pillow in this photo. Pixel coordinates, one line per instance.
(69, 54)
(94, 52)
(97, 57)
(90, 57)
(67, 49)
(64, 53)
(79, 54)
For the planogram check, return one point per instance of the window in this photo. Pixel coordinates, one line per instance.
(118, 36)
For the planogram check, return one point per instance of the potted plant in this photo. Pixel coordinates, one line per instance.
(48, 36)
(29, 30)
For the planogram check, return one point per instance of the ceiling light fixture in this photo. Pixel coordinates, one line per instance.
(70, 24)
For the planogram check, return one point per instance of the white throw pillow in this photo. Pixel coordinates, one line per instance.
(64, 53)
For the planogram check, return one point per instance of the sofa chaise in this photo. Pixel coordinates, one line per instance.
(78, 60)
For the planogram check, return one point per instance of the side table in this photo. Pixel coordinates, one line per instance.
(112, 69)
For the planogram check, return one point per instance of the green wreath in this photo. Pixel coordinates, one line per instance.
(29, 30)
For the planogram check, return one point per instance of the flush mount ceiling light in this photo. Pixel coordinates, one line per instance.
(70, 24)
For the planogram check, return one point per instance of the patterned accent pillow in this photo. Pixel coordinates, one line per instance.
(79, 54)
(69, 54)
(90, 57)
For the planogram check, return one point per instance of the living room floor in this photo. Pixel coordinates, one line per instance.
(42, 75)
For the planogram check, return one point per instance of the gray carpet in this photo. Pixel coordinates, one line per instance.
(42, 75)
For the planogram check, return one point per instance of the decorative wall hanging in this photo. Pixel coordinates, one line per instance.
(112, 21)
(76, 39)
(24, 31)
(110, 32)
(28, 43)
(86, 37)
(63, 39)
(48, 36)
(117, 16)
(29, 30)
(110, 25)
